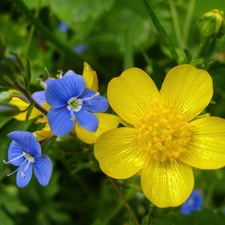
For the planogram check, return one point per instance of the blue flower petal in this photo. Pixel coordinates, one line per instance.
(39, 97)
(43, 169)
(193, 203)
(60, 121)
(27, 142)
(15, 151)
(60, 91)
(98, 104)
(87, 93)
(69, 73)
(23, 181)
(87, 120)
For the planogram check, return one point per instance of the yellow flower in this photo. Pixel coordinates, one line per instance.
(166, 139)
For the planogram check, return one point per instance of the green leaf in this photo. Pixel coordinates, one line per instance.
(162, 34)
(8, 110)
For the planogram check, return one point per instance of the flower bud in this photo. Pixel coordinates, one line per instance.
(5, 97)
(212, 24)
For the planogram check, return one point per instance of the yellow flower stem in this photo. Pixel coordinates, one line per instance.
(151, 208)
(205, 47)
(124, 200)
(29, 98)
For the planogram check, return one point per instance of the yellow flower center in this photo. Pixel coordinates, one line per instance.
(163, 132)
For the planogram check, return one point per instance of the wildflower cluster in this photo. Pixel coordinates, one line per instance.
(151, 132)
(163, 136)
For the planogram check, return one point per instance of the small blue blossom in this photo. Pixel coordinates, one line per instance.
(80, 48)
(71, 101)
(25, 152)
(63, 26)
(193, 203)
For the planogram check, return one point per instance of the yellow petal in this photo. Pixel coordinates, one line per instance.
(106, 122)
(44, 133)
(90, 77)
(131, 93)
(206, 149)
(166, 183)
(22, 106)
(117, 153)
(187, 89)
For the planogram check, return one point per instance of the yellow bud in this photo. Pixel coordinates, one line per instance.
(212, 24)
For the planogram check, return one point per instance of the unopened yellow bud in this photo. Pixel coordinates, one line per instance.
(212, 24)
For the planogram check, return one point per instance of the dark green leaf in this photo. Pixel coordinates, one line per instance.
(8, 110)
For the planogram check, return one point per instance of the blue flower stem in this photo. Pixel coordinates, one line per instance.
(162, 34)
(124, 200)
(29, 98)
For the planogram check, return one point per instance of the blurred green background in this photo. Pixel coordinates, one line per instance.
(111, 36)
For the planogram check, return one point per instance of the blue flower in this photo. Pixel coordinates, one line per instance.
(63, 26)
(39, 96)
(71, 101)
(25, 152)
(80, 48)
(193, 203)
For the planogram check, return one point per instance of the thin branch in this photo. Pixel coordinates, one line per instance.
(30, 99)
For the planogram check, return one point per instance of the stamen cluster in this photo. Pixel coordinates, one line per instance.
(163, 132)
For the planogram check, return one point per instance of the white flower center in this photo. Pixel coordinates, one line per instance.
(28, 157)
(75, 104)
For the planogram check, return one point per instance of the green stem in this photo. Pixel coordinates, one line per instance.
(128, 53)
(47, 140)
(203, 47)
(176, 24)
(151, 208)
(147, 59)
(124, 200)
(30, 99)
(187, 22)
(162, 34)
